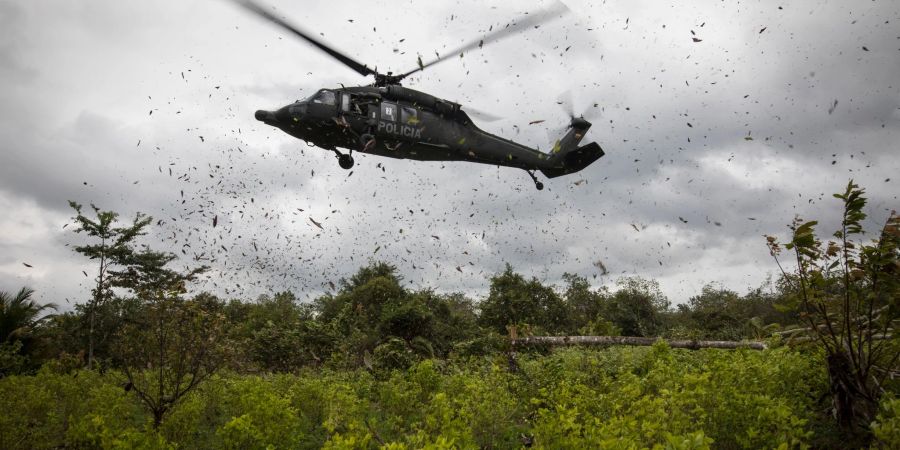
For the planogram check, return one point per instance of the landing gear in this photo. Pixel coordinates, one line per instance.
(345, 160)
(537, 184)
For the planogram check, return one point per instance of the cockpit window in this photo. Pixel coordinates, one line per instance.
(324, 97)
(297, 109)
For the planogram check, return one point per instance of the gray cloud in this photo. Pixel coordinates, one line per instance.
(119, 94)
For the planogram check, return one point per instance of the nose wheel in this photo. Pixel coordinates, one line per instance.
(537, 184)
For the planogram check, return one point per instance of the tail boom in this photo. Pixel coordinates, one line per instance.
(567, 157)
(571, 161)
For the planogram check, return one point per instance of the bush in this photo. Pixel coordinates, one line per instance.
(886, 428)
(82, 409)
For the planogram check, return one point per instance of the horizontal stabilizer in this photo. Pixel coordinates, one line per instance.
(573, 160)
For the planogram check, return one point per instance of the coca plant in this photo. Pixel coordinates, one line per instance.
(847, 292)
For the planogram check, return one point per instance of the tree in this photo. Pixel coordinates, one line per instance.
(847, 292)
(355, 315)
(169, 348)
(718, 313)
(166, 345)
(112, 247)
(375, 322)
(278, 333)
(514, 301)
(377, 269)
(637, 308)
(20, 316)
(453, 319)
(169, 345)
(586, 306)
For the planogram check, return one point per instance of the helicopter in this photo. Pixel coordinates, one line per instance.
(388, 119)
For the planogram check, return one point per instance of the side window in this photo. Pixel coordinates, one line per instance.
(388, 111)
(408, 115)
(324, 98)
(356, 105)
(345, 102)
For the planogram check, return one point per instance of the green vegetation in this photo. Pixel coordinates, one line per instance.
(377, 365)
(20, 321)
(574, 398)
(848, 294)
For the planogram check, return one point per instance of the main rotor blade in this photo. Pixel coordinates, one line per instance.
(348, 61)
(512, 28)
(480, 115)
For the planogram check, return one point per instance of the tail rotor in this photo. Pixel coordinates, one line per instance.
(566, 156)
(566, 102)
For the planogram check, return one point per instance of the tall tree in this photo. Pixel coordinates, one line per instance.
(167, 346)
(848, 293)
(112, 245)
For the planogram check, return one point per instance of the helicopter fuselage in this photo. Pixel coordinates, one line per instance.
(397, 122)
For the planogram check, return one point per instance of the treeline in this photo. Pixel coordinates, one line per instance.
(373, 321)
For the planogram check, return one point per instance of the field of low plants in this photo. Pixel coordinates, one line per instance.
(616, 398)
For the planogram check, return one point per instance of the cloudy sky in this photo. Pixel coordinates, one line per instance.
(721, 121)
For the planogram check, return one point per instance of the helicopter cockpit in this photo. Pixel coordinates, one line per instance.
(322, 97)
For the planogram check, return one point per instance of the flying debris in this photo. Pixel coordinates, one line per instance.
(602, 267)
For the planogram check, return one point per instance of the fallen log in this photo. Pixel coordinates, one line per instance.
(632, 340)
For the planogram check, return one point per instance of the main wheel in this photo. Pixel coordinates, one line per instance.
(539, 186)
(345, 161)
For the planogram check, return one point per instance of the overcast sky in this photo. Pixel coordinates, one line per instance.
(721, 121)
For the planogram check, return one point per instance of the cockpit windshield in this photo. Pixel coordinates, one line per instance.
(323, 97)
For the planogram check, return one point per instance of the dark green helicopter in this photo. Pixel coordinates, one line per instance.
(387, 119)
